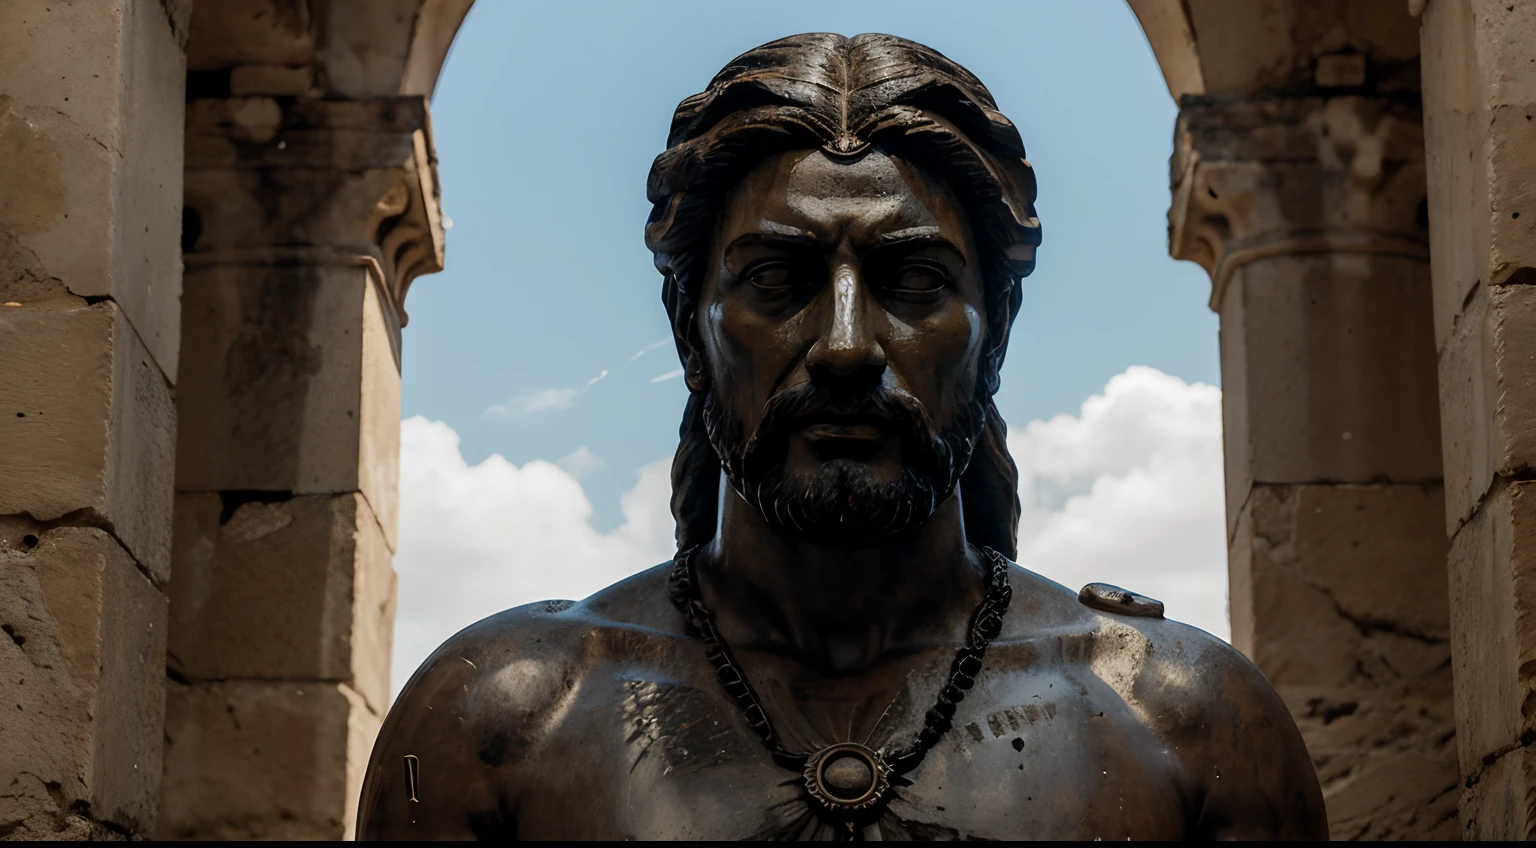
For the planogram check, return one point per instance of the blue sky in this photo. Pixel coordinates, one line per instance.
(547, 117)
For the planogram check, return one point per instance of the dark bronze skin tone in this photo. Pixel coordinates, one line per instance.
(603, 719)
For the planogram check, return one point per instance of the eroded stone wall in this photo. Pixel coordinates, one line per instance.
(90, 278)
(1480, 123)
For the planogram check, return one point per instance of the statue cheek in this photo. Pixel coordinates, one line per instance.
(939, 357)
(760, 347)
(977, 325)
(745, 354)
(948, 343)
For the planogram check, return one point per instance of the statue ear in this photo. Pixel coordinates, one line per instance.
(685, 334)
(695, 374)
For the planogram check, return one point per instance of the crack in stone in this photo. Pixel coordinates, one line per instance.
(1365, 625)
(174, 9)
(84, 518)
(1525, 741)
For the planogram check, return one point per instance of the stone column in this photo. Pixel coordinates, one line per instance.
(1308, 213)
(306, 219)
(1479, 103)
(90, 203)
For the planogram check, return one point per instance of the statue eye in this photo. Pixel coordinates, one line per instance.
(920, 278)
(773, 277)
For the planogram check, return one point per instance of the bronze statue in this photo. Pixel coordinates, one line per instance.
(841, 647)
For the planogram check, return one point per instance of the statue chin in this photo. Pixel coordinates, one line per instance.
(841, 506)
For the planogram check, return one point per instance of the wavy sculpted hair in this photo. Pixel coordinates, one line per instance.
(827, 91)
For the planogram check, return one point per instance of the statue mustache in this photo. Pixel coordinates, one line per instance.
(791, 409)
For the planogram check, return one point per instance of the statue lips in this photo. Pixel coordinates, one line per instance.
(846, 427)
(857, 432)
(847, 435)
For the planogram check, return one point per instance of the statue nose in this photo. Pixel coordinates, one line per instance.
(849, 346)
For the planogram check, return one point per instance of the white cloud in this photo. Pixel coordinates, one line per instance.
(550, 400)
(580, 462)
(543, 400)
(475, 540)
(650, 347)
(1129, 491)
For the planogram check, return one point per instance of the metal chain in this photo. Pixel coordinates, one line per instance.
(986, 622)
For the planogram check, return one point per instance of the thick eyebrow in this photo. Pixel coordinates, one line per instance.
(771, 234)
(918, 238)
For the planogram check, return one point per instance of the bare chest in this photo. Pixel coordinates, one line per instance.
(1033, 753)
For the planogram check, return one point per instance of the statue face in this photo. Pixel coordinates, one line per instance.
(842, 323)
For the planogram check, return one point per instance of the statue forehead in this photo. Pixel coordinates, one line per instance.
(808, 189)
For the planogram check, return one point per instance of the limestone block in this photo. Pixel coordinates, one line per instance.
(1457, 183)
(146, 223)
(1502, 32)
(379, 417)
(1328, 364)
(1493, 622)
(91, 120)
(1377, 551)
(1500, 801)
(1511, 187)
(83, 705)
(1236, 443)
(1466, 413)
(1500, 39)
(264, 760)
(1479, 88)
(1338, 595)
(1341, 581)
(285, 388)
(87, 421)
(1485, 195)
(1488, 396)
(1299, 637)
(1240, 583)
(298, 588)
(1290, 629)
(64, 50)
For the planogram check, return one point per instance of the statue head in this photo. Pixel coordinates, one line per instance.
(843, 225)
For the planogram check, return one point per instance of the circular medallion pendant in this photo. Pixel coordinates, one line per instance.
(847, 777)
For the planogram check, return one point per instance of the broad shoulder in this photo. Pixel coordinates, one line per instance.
(1218, 715)
(1173, 671)
(523, 659)
(479, 703)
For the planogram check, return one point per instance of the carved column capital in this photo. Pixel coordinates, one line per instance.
(284, 181)
(1259, 178)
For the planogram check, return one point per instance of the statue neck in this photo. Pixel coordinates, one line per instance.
(839, 610)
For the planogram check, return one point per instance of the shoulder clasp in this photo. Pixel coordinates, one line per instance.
(1113, 599)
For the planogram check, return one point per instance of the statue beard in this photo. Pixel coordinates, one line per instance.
(841, 505)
